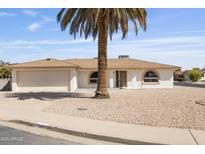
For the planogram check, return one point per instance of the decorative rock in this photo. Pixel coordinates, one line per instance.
(201, 102)
(82, 109)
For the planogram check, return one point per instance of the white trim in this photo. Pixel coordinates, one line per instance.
(14, 81)
(73, 80)
(111, 75)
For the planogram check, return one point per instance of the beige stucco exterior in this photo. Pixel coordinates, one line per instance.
(134, 79)
(41, 80)
(68, 75)
(56, 79)
(83, 79)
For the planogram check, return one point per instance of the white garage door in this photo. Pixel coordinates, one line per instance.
(46, 80)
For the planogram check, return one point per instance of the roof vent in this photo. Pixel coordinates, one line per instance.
(48, 59)
(123, 56)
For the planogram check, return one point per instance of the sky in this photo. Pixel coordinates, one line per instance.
(173, 36)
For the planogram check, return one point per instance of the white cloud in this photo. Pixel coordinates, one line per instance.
(188, 32)
(33, 26)
(44, 20)
(73, 49)
(30, 13)
(186, 51)
(48, 19)
(151, 44)
(44, 42)
(20, 47)
(168, 41)
(183, 51)
(2, 14)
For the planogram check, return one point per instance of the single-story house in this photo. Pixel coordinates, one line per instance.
(68, 75)
(186, 75)
(178, 74)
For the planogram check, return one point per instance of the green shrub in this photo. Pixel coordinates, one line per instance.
(4, 72)
(195, 75)
(181, 79)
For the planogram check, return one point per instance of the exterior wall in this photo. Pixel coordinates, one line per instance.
(111, 79)
(165, 79)
(134, 79)
(83, 79)
(73, 80)
(203, 77)
(35, 80)
(70, 79)
(14, 81)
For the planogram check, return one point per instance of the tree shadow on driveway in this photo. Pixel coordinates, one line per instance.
(46, 96)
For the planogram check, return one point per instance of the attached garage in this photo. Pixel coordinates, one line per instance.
(43, 75)
(43, 80)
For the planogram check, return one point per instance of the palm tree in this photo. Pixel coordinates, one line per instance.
(101, 22)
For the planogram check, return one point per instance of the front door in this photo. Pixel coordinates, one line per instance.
(121, 78)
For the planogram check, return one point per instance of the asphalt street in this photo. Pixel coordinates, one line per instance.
(10, 136)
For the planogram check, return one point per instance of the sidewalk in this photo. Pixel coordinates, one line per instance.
(103, 129)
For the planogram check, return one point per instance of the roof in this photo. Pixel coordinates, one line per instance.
(45, 63)
(178, 72)
(120, 64)
(92, 64)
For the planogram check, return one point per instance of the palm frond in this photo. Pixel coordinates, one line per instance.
(86, 20)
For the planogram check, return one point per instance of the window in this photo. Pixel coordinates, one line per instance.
(150, 77)
(93, 78)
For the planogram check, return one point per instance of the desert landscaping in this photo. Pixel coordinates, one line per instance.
(175, 107)
(154, 107)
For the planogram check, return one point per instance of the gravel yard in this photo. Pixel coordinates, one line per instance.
(154, 107)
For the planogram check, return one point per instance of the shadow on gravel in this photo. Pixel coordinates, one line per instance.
(189, 85)
(45, 96)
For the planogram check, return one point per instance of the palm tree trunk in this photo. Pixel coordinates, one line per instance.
(102, 91)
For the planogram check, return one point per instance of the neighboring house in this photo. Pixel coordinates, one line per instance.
(178, 74)
(186, 75)
(68, 75)
(203, 74)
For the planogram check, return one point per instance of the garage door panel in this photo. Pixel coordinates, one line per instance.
(44, 80)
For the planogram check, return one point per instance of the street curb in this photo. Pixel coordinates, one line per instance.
(83, 134)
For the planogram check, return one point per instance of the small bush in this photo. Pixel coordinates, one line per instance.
(195, 75)
(181, 79)
(4, 72)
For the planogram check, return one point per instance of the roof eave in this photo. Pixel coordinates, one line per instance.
(30, 67)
